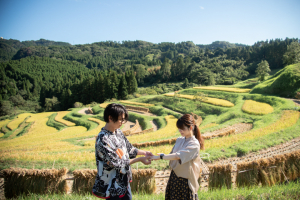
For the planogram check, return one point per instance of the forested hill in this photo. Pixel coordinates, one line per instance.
(51, 75)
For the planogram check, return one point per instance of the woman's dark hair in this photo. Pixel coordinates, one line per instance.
(114, 111)
(187, 121)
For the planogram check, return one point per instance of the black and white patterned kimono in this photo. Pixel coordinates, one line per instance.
(113, 152)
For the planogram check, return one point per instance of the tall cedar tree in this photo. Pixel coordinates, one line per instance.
(122, 92)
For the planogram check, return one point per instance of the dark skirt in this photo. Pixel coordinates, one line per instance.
(178, 188)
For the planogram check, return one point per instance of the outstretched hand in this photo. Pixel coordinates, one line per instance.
(148, 153)
(146, 160)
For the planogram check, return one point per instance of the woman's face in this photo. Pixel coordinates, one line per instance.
(186, 132)
(119, 122)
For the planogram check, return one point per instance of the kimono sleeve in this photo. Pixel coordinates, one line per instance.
(110, 156)
(132, 151)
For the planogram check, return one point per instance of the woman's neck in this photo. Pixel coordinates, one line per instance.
(109, 127)
(190, 135)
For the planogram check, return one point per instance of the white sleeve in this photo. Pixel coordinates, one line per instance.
(189, 153)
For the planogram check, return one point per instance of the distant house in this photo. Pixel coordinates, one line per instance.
(1, 38)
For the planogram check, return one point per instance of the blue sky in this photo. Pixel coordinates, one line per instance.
(203, 22)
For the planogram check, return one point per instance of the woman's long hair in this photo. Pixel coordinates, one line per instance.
(187, 121)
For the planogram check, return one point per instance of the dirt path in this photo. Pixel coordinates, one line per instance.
(128, 125)
(162, 177)
(238, 128)
(154, 125)
(296, 101)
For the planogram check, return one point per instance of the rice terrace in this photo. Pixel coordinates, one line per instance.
(251, 139)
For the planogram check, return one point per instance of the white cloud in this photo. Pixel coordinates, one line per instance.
(202, 8)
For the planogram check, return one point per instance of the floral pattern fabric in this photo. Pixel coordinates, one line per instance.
(113, 152)
(178, 188)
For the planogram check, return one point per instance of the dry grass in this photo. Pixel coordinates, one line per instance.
(84, 181)
(209, 100)
(143, 181)
(226, 89)
(257, 108)
(59, 118)
(24, 181)
(220, 176)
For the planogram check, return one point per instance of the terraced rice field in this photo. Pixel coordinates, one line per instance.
(170, 130)
(16, 122)
(75, 144)
(59, 118)
(236, 90)
(137, 103)
(257, 108)
(213, 101)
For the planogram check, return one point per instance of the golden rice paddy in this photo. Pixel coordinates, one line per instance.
(288, 119)
(237, 90)
(209, 100)
(257, 108)
(137, 103)
(16, 122)
(170, 130)
(4, 122)
(59, 118)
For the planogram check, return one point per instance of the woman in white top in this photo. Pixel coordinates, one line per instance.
(184, 161)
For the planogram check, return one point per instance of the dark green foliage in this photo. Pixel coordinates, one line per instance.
(122, 91)
(40, 70)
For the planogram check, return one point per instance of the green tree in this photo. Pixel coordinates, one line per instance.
(122, 92)
(199, 97)
(186, 83)
(292, 55)
(51, 103)
(262, 70)
(165, 70)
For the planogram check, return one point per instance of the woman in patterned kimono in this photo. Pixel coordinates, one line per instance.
(114, 155)
(184, 161)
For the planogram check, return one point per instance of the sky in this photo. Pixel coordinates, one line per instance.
(156, 21)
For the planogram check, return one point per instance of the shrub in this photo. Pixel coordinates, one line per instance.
(78, 105)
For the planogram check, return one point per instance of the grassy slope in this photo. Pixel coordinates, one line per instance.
(285, 83)
(285, 191)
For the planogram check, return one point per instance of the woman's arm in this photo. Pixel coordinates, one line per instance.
(172, 156)
(145, 160)
(145, 153)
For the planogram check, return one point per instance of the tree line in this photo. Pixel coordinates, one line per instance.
(37, 75)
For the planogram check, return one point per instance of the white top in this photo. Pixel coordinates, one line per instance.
(189, 164)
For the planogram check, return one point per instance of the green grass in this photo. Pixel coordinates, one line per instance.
(285, 82)
(55, 124)
(288, 191)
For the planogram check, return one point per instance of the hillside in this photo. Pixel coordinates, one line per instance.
(285, 83)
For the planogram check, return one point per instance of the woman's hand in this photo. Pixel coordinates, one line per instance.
(148, 153)
(146, 160)
(144, 153)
